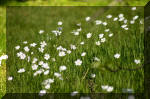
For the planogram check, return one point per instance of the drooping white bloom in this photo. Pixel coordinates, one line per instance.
(21, 70)
(117, 55)
(83, 54)
(73, 47)
(62, 53)
(34, 67)
(101, 35)
(93, 75)
(42, 92)
(89, 35)
(137, 61)
(60, 23)
(10, 78)
(97, 43)
(17, 47)
(98, 22)
(133, 8)
(109, 16)
(62, 68)
(46, 72)
(87, 18)
(110, 35)
(41, 31)
(103, 40)
(74, 93)
(78, 62)
(82, 43)
(26, 48)
(46, 56)
(57, 74)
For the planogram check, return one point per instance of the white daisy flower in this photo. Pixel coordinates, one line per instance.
(98, 22)
(41, 50)
(41, 31)
(137, 61)
(43, 44)
(97, 43)
(21, 70)
(78, 62)
(62, 53)
(101, 35)
(34, 67)
(83, 54)
(10, 78)
(89, 35)
(62, 68)
(46, 56)
(117, 55)
(26, 49)
(87, 18)
(17, 47)
(109, 16)
(60, 23)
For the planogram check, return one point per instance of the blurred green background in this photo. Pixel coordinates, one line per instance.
(4, 3)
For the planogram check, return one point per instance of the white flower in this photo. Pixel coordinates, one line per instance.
(73, 47)
(135, 17)
(57, 74)
(33, 44)
(89, 35)
(41, 50)
(74, 93)
(124, 26)
(78, 62)
(32, 53)
(96, 59)
(101, 35)
(26, 49)
(41, 31)
(98, 22)
(43, 44)
(107, 30)
(83, 54)
(104, 87)
(125, 21)
(110, 35)
(68, 51)
(121, 15)
(137, 61)
(34, 60)
(59, 23)
(82, 43)
(17, 47)
(42, 92)
(45, 65)
(46, 56)
(115, 19)
(87, 18)
(3, 57)
(46, 72)
(104, 23)
(76, 33)
(10, 78)
(21, 70)
(21, 55)
(110, 89)
(132, 22)
(121, 19)
(48, 81)
(97, 43)
(62, 53)
(59, 48)
(53, 59)
(93, 75)
(41, 62)
(117, 55)
(79, 29)
(62, 68)
(47, 86)
(25, 42)
(103, 39)
(34, 67)
(133, 8)
(109, 16)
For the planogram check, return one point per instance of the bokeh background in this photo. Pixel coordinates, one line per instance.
(4, 3)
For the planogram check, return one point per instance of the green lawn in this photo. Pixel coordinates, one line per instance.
(54, 3)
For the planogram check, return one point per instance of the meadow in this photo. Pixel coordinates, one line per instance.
(75, 49)
(48, 3)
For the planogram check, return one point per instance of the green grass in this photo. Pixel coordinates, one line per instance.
(29, 20)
